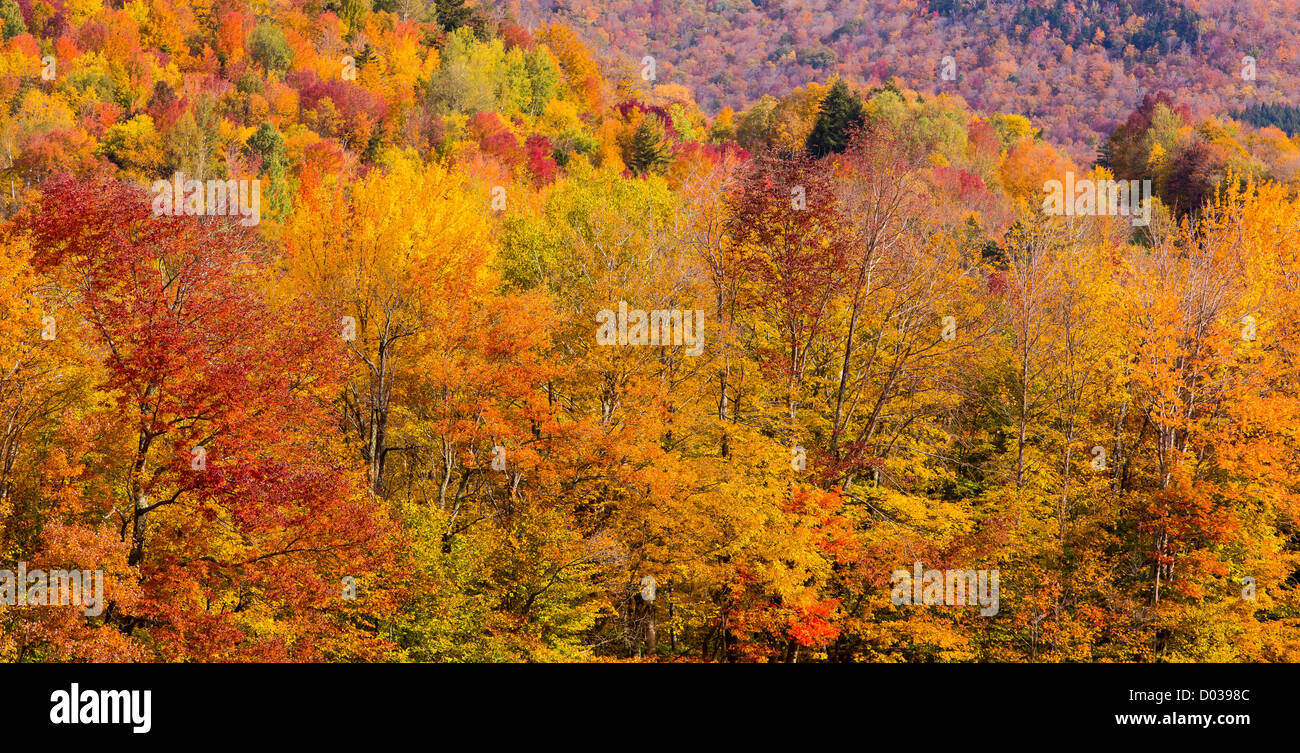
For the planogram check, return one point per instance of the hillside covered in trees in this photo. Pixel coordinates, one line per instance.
(404, 411)
(1077, 68)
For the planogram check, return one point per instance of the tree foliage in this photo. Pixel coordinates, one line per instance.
(417, 413)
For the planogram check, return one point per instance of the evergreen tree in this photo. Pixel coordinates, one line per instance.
(648, 150)
(268, 142)
(452, 14)
(839, 114)
(269, 48)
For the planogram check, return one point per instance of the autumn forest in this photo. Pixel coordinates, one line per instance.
(444, 331)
